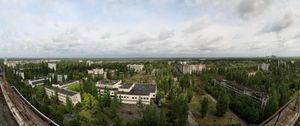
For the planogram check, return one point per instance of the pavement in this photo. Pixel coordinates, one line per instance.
(6, 119)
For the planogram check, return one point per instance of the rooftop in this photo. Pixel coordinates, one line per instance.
(62, 91)
(142, 89)
(108, 82)
(126, 85)
(37, 81)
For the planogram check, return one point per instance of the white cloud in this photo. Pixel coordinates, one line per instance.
(247, 28)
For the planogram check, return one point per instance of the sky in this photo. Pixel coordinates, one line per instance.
(149, 28)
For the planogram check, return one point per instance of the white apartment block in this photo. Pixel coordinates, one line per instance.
(128, 93)
(63, 94)
(96, 71)
(190, 68)
(263, 67)
(52, 66)
(136, 67)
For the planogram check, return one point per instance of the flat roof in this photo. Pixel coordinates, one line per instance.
(141, 89)
(126, 85)
(62, 91)
(34, 82)
(108, 82)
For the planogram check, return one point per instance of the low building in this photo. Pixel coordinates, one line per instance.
(136, 67)
(191, 68)
(96, 71)
(37, 82)
(63, 94)
(258, 96)
(129, 93)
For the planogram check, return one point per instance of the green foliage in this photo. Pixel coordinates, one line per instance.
(69, 105)
(204, 107)
(89, 101)
(222, 104)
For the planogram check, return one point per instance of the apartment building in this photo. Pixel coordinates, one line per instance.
(63, 94)
(136, 67)
(190, 68)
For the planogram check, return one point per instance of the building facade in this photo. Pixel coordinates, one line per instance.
(136, 67)
(52, 66)
(190, 68)
(263, 67)
(96, 71)
(128, 93)
(63, 94)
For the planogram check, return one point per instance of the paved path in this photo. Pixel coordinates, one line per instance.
(191, 120)
(6, 119)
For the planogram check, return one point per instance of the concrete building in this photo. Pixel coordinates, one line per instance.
(21, 74)
(263, 67)
(128, 93)
(260, 97)
(136, 67)
(60, 78)
(96, 71)
(52, 66)
(251, 74)
(190, 68)
(36, 82)
(63, 94)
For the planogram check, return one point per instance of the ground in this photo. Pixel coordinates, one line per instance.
(129, 112)
(210, 118)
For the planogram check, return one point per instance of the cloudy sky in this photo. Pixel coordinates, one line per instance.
(149, 28)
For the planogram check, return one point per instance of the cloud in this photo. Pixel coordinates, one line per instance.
(281, 23)
(205, 28)
(251, 8)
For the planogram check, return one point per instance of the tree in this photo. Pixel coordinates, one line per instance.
(69, 105)
(222, 104)
(189, 94)
(150, 117)
(204, 107)
(89, 101)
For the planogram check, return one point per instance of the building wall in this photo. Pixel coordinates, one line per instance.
(188, 69)
(136, 67)
(63, 97)
(130, 98)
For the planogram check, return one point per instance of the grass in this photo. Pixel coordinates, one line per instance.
(210, 118)
(74, 87)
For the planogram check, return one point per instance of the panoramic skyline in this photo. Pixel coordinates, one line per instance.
(149, 28)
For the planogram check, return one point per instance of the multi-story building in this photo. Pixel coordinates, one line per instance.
(136, 67)
(263, 66)
(63, 94)
(129, 93)
(52, 66)
(190, 68)
(96, 71)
